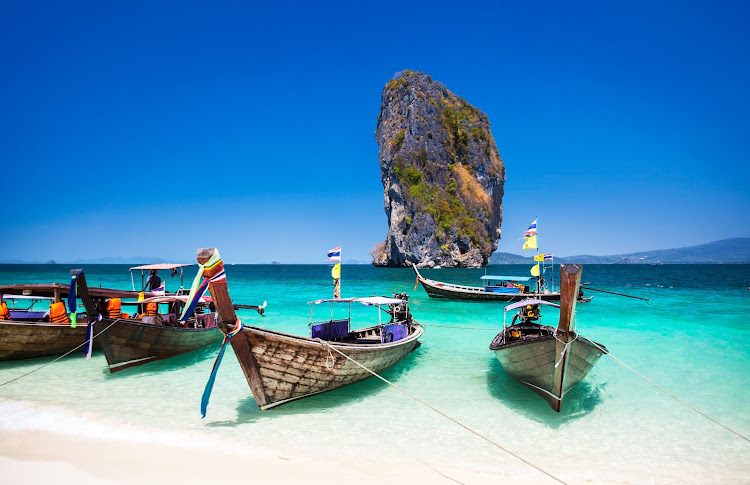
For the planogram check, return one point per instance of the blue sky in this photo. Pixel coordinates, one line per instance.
(155, 128)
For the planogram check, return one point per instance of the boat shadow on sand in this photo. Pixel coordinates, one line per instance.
(248, 411)
(578, 403)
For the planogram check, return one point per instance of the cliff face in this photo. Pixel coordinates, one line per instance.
(442, 177)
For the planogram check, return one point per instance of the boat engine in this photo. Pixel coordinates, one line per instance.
(400, 312)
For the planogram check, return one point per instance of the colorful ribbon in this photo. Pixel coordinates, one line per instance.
(72, 305)
(200, 284)
(210, 384)
(88, 346)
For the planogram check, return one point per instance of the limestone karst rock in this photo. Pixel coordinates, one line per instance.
(442, 177)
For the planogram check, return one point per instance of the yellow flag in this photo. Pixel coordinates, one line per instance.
(539, 257)
(140, 296)
(336, 272)
(535, 270)
(530, 243)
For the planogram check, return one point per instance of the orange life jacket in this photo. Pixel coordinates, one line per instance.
(4, 313)
(152, 309)
(58, 313)
(114, 308)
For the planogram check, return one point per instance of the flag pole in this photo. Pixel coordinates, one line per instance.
(538, 276)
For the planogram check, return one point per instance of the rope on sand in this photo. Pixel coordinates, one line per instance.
(65, 354)
(325, 344)
(667, 392)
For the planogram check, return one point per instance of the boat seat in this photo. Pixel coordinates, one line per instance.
(24, 315)
(153, 319)
(393, 333)
(330, 330)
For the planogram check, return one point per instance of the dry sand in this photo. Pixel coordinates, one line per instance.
(36, 457)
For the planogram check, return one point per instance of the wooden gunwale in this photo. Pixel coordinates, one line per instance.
(299, 338)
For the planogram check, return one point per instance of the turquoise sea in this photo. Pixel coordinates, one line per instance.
(692, 339)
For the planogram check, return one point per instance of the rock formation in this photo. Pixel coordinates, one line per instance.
(442, 177)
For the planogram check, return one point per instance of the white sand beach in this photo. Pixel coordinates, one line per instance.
(36, 457)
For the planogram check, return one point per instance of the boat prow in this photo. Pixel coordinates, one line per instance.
(549, 361)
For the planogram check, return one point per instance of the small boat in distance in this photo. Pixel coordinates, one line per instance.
(281, 367)
(549, 361)
(495, 288)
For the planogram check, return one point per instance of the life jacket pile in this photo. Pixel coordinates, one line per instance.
(4, 313)
(114, 308)
(58, 313)
(152, 309)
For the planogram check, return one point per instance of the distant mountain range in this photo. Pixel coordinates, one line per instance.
(134, 260)
(727, 251)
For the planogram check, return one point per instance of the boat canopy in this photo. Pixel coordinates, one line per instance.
(530, 301)
(368, 300)
(26, 297)
(159, 266)
(507, 278)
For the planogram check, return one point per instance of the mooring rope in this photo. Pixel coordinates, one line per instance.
(565, 349)
(667, 392)
(65, 354)
(326, 344)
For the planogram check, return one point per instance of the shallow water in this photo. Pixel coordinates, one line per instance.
(692, 339)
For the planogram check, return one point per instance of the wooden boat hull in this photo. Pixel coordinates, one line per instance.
(281, 367)
(130, 343)
(439, 289)
(468, 293)
(532, 363)
(30, 340)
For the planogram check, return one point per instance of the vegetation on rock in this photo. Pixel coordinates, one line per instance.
(442, 175)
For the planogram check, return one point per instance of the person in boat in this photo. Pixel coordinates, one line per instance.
(527, 314)
(153, 281)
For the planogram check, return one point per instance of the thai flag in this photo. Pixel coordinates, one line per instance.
(334, 254)
(548, 257)
(531, 231)
(160, 290)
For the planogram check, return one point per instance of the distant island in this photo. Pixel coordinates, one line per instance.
(727, 251)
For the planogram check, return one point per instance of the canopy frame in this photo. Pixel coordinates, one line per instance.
(145, 268)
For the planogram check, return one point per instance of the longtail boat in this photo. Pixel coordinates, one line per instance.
(29, 330)
(140, 339)
(495, 288)
(150, 335)
(281, 367)
(549, 361)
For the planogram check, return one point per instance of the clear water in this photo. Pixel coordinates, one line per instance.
(693, 339)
